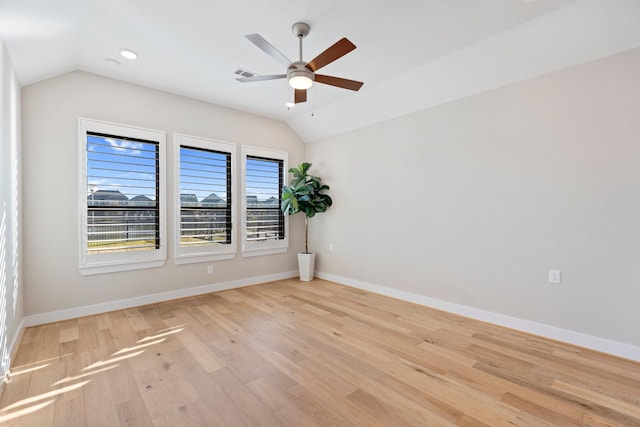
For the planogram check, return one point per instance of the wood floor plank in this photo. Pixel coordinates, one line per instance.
(317, 353)
(499, 388)
(133, 412)
(318, 410)
(70, 333)
(244, 398)
(445, 411)
(268, 394)
(617, 384)
(291, 415)
(99, 409)
(542, 412)
(631, 411)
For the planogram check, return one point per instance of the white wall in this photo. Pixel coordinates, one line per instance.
(51, 226)
(11, 312)
(473, 201)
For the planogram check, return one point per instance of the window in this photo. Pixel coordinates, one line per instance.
(264, 227)
(122, 206)
(204, 206)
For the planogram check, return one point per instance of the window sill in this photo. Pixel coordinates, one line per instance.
(195, 258)
(259, 252)
(88, 270)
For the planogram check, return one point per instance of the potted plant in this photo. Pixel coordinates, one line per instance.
(305, 194)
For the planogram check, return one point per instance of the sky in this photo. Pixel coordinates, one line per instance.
(129, 167)
(123, 165)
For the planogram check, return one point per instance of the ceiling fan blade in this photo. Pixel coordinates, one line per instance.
(339, 82)
(261, 78)
(300, 96)
(268, 48)
(337, 50)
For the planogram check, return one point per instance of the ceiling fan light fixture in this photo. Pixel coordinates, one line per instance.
(128, 53)
(300, 79)
(299, 76)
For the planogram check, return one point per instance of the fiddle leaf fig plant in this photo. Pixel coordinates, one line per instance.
(305, 194)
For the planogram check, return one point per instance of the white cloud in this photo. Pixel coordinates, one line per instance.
(123, 145)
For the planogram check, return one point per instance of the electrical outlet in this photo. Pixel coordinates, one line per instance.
(330, 247)
(554, 277)
(210, 269)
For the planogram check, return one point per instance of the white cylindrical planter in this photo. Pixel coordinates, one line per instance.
(306, 264)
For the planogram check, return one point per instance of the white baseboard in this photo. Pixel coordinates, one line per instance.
(13, 346)
(88, 310)
(615, 348)
(11, 351)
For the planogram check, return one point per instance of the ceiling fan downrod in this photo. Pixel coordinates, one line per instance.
(300, 30)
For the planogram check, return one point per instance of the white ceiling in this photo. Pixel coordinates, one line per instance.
(193, 47)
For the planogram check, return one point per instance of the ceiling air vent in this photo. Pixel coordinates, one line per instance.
(244, 73)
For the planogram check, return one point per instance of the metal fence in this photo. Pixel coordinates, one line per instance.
(110, 230)
(264, 224)
(199, 226)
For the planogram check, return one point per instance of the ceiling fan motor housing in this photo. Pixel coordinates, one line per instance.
(299, 68)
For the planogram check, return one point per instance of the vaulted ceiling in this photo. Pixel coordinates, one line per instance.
(411, 54)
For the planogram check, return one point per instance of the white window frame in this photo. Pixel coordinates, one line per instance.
(266, 247)
(127, 260)
(187, 255)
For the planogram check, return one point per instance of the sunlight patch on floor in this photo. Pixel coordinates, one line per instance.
(78, 377)
(53, 393)
(160, 334)
(113, 360)
(137, 347)
(17, 372)
(22, 412)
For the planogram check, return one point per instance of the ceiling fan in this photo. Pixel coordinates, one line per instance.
(300, 74)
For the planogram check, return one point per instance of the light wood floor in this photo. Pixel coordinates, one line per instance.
(305, 354)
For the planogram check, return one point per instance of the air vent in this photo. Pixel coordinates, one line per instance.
(244, 73)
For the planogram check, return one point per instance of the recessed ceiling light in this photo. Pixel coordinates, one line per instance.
(129, 54)
(112, 62)
(290, 104)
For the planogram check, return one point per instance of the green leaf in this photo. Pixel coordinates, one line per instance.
(304, 194)
(304, 167)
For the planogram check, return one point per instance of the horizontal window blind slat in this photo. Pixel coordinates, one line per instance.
(264, 179)
(205, 179)
(122, 194)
